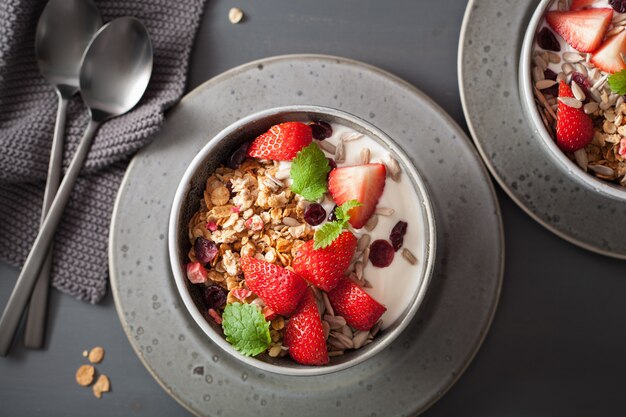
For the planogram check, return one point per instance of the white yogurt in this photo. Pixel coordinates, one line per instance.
(395, 285)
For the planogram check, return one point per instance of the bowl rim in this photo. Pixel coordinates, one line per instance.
(430, 243)
(530, 109)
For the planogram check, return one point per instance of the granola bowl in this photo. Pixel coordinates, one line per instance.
(248, 212)
(595, 158)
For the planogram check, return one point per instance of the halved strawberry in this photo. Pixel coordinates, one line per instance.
(608, 58)
(351, 302)
(280, 288)
(325, 267)
(583, 4)
(282, 142)
(582, 29)
(364, 183)
(304, 334)
(574, 129)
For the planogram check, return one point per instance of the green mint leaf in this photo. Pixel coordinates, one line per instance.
(617, 82)
(326, 234)
(342, 211)
(330, 231)
(309, 170)
(246, 329)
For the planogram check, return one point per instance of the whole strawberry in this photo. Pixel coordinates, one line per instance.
(574, 129)
(304, 334)
(282, 142)
(324, 267)
(351, 302)
(280, 288)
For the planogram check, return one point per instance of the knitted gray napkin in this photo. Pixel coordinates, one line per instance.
(28, 108)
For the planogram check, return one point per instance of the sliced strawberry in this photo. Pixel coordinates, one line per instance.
(583, 4)
(351, 302)
(282, 142)
(304, 334)
(574, 129)
(196, 273)
(582, 29)
(280, 288)
(325, 267)
(608, 58)
(364, 183)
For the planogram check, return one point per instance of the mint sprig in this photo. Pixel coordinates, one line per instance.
(330, 231)
(617, 82)
(246, 329)
(309, 171)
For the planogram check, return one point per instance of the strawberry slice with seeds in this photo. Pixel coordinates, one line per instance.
(324, 267)
(282, 142)
(574, 129)
(280, 288)
(304, 334)
(582, 29)
(609, 57)
(364, 183)
(351, 302)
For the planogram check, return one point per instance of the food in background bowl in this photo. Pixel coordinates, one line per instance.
(579, 73)
(302, 236)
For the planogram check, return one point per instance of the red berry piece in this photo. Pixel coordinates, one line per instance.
(214, 297)
(205, 250)
(196, 273)
(547, 40)
(237, 158)
(321, 130)
(381, 253)
(397, 235)
(618, 5)
(314, 214)
(582, 81)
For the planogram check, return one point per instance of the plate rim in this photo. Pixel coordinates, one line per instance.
(501, 257)
(488, 163)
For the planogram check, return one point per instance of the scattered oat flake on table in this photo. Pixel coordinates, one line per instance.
(84, 375)
(85, 353)
(96, 355)
(235, 15)
(101, 385)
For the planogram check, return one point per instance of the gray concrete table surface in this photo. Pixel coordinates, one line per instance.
(557, 344)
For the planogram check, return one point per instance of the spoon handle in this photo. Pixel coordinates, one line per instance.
(38, 253)
(36, 316)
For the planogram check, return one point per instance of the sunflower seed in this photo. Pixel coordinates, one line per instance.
(327, 146)
(364, 242)
(571, 102)
(340, 152)
(408, 255)
(590, 107)
(350, 136)
(600, 82)
(359, 338)
(538, 74)
(581, 158)
(329, 308)
(291, 222)
(567, 68)
(572, 57)
(376, 328)
(602, 170)
(579, 94)
(344, 341)
(384, 211)
(335, 353)
(393, 168)
(358, 269)
(335, 322)
(543, 84)
(346, 331)
(366, 256)
(371, 223)
(365, 156)
(336, 343)
(554, 58)
(540, 62)
(561, 77)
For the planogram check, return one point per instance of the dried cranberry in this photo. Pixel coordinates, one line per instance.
(314, 214)
(321, 130)
(214, 296)
(548, 74)
(205, 250)
(582, 81)
(332, 216)
(547, 40)
(332, 163)
(238, 156)
(618, 5)
(381, 253)
(397, 234)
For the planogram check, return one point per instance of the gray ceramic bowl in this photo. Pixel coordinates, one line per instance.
(189, 194)
(589, 181)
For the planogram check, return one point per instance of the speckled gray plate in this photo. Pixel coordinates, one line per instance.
(424, 362)
(489, 48)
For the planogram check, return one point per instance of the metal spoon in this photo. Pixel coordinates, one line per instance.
(64, 30)
(114, 74)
